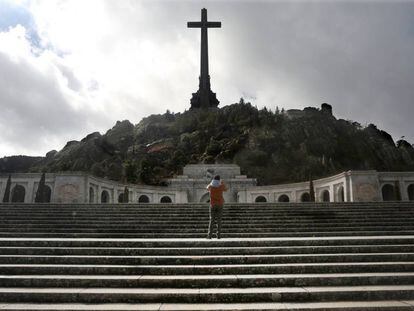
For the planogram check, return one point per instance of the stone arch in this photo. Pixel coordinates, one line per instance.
(47, 193)
(410, 192)
(325, 196)
(305, 197)
(388, 192)
(340, 194)
(260, 199)
(121, 198)
(165, 199)
(91, 195)
(104, 197)
(143, 199)
(283, 198)
(205, 198)
(18, 194)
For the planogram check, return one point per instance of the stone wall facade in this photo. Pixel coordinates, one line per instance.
(83, 188)
(351, 186)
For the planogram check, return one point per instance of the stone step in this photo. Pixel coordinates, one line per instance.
(257, 214)
(195, 229)
(195, 205)
(178, 222)
(320, 210)
(189, 224)
(162, 210)
(206, 295)
(232, 222)
(254, 212)
(203, 220)
(192, 235)
(185, 216)
(207, 281)
(264, 225)
(278, 205)
(119, 251)
(286, 268)
(52, 228)
(378, 305)
(206, 259)
(292, 252)
(204, 243)
(181, 222)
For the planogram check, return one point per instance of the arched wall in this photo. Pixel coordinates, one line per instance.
(121, 198)
(260, 199)
(18, 194)
(283, 198)
(352, 186)
(48, 194)
(143, 198)
(340, 194)
(105, 197)
(388, 192)
(166, 199)
(91, 195)
(410, 192)
(305, 197)
(325, 196)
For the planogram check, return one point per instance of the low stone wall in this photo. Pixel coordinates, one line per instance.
(351, 186)
(77, 187)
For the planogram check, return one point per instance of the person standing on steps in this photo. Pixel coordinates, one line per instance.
(216, 189)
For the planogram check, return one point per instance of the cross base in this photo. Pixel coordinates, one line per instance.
(204, 99)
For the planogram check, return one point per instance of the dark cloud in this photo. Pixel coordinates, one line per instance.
(357, 56)
(34, 109)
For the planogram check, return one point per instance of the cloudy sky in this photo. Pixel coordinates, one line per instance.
(68, 68)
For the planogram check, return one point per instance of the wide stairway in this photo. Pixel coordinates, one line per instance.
(349, 256)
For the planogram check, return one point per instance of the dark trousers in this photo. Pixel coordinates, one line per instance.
(216, 211)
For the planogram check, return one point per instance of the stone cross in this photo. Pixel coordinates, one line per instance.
(204, 97)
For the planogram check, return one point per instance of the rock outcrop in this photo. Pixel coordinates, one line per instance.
(272, 146)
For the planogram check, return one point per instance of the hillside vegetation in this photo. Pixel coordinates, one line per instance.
(272, 146)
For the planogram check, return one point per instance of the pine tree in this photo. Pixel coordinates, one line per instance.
(397, 191)
(126, 195)
(311, 189)
(40, 193)
(6, 197)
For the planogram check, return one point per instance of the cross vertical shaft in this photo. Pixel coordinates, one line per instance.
(204, 75)
(204, 97)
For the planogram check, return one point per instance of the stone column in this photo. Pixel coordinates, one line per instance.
(98, 194)
(29, 198)
(403, 189)
(331, 193)
(347, 189)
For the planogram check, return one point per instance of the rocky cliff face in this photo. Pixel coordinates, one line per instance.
(274, 147)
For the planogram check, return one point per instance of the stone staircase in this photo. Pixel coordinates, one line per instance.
(349, 256)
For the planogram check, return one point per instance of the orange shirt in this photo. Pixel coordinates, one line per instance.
(216, 194)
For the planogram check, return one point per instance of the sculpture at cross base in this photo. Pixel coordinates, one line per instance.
(204, 97)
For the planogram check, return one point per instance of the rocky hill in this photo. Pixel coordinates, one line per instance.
(273, 146)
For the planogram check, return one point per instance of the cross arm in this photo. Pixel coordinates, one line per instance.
(214, 24)
(200, 24)
(194, 25)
